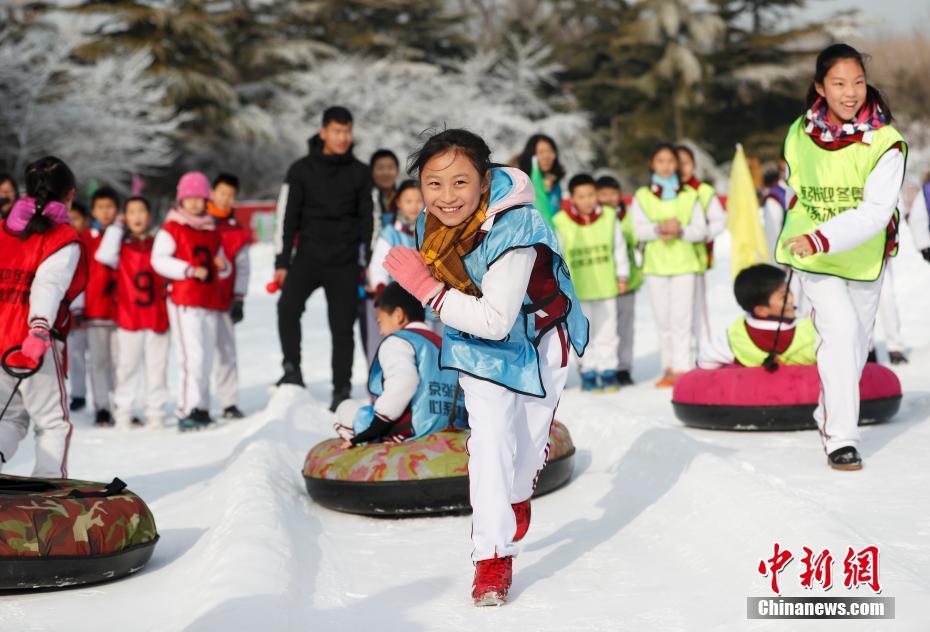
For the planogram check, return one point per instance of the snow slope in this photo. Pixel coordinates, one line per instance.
(661, 528)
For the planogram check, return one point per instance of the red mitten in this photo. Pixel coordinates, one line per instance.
(36, 344)
(408, 269)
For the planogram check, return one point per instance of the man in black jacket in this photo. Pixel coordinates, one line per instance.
(326, 205)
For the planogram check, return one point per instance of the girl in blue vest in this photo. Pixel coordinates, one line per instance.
(846, 164)
(413, 398)
(405, 207)
(491, 267)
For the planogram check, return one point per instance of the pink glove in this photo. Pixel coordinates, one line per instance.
(36, 344)
(407, 268)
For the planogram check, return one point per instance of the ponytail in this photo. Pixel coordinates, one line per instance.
(827, 58)
(48, 180)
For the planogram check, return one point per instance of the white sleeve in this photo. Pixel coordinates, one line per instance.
(716, 354)
(621, 256)
(919, 222)
(241, 284)
(52, 279)
(401, 379)
(880, 196)
(227, 270)
(377, 275)
(643, 229)
(163, 260)
(77, 305)
(696, 230)
(716, 218)
(108, 251)
(503, 288)
(773, 220)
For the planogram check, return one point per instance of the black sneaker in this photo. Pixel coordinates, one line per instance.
(103, 418)
(77, 403)
(896, 357)
(872, 357)
(138, 423)
(292, 375)
(624, 378)
(845, 459)
(339, 395)
(232, 412)
(197, 419)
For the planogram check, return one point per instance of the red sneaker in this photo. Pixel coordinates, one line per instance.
(522, 512)
(492, 581)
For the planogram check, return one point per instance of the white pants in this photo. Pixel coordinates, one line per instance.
(77, 362)
(193, 330)
(701, 320)
(141, 352)
(603, 343)
(508, 447)
(672, 299)
(226, 371)
(626, 317)
(802, 305)
(102, 351)
(844, 316)
(43, 399)
(888, 312)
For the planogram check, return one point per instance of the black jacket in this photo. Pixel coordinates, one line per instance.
(328, 208)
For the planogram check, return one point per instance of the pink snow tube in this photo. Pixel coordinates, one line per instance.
(743, 398)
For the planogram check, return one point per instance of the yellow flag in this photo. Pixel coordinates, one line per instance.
(749, 246)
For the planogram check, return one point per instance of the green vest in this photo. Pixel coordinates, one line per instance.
(635, 280)
(589, 252)
(705, 194)
(675, 256)
(801, 351)
(828, 183)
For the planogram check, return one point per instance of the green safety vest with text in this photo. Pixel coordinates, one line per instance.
(589, 251)
(801, 351)
(705, 194)
(675, 256)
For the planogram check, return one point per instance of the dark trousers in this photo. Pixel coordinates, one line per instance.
(340, 283)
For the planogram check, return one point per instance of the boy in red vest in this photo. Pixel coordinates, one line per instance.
(235, 240)
(100, 305)
(188, 252)
(141, 314)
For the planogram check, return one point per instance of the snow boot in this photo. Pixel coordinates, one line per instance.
(292, 375)
(103, 419)
(233, 412)
(197, 419)
(624, 378)
(896, 357)
(137, 423)
(872, 357)
(492, 581)
(667, 380)
(845, 459)
(589, 381)
(339, 395)
(610, 381)
(521, 512)
(77, 403)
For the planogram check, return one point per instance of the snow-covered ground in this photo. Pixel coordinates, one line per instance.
(662, 527)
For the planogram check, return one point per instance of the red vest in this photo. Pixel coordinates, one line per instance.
(100, 295)
(19, 260)
(141, 294)
(234, 238)
(197, 248)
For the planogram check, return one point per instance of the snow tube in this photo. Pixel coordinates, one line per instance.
(426, 476)
(59, 532)
(750, 398)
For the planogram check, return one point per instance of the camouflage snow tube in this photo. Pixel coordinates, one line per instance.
(426, 476)
(60, 532)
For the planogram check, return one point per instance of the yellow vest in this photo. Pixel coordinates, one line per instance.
(589, 251)
(674, 256)
(801, 351)
(705, 193)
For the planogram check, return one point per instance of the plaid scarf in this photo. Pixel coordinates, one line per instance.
(825, 133)
(444, 247)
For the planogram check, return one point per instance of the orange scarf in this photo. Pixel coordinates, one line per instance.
(444, 248)
(216, 211)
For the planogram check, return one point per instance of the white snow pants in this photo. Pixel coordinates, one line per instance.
(102, 352)
(77, 362)
(888, 312)
(43, 399)
(701, 319)
(603, 344)
(844, 316)
(626, 317)
(142, 352)
(193, 330)
(226, 371)
(672, 299)
(508, 447)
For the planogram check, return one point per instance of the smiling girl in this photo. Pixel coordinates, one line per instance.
(846, 163)
(492, 269)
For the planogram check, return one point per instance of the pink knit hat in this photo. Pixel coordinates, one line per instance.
(193, 184)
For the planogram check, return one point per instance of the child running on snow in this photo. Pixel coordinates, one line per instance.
(141, 315)
(670, 220)
(769, 324)
(77, 337)
(846, 163)
(100, 306)
(413, 397)
(41, 272)
(608, 194)
(232, 291)
(492, 269)
(188, 252)
(405, 208)
(596, 253)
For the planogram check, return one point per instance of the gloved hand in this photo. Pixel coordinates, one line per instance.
(235, 311)
(36, 343)
(926, 253)
(408, 269)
